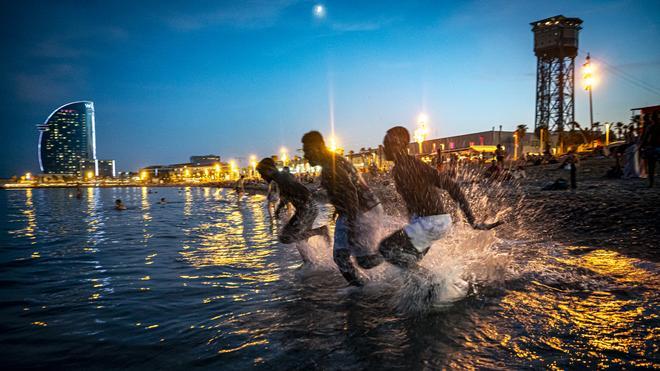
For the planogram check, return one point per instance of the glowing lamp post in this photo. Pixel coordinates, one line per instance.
(515, 146)
(253, 164)
(422, 130)
(333, 144)
(283, 155)
(28, 176)
(607, 133)
(217, 171)
(232, 167)
(90, 175)
(588, 77)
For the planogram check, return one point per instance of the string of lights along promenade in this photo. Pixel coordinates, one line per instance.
(555, 47)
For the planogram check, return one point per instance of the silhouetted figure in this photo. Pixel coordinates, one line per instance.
(493, 171)
(650, 145)
(571, 161)
(240, 186)
(119, 205)
(631, 164)
(299, 227)
(162, 201)
(499, 156)
(418, 185)
(78, 192)
(359, 211)
(272, 197)
(439, 159)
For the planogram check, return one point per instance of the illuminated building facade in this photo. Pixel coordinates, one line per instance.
(204, 159)
(67, 139)
(106, 168)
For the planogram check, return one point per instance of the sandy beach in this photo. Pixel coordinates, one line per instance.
(621, 214)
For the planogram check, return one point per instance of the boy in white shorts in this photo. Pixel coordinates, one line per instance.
(419, 185)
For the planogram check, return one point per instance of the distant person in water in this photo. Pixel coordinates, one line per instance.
(272, 197)
(119, 205)
(418, 185)
(359, 211)
(162, 201)
(240, 186)
(78, 192)
(299, 227)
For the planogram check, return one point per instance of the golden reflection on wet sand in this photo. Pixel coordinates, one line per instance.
(598, 321)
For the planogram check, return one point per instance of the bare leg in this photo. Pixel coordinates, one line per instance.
(369, 261)
(286, 237)
(342, 258)
(398, 250)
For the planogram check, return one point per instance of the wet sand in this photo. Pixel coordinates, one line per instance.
(620, 214)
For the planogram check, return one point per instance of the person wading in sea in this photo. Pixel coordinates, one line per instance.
(299, 227)
(418, 185)
(359, 211)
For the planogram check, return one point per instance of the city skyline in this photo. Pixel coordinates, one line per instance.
(170, 82)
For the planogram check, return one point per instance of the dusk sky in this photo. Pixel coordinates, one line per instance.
(170, 80)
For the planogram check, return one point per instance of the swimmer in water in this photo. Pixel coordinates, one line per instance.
(162, 201)
(359, 211)
(240, 186)
(272, 198)
(418, 185)
(299, 227)
(78, 192)
(119, 205)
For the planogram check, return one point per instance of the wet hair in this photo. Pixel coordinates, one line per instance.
(117, 201)
(399, 133)
(313, 138)
(266, 163)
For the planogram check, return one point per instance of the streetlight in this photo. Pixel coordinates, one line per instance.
(283, 153)
(607, 133)
(588, 76)
(28, 176)
(422, 131)
(253, 164)
(333, 144)
(515, 146)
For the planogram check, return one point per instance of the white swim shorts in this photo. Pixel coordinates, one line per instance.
(424, 230)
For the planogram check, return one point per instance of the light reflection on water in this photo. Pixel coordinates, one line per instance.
(201, 282)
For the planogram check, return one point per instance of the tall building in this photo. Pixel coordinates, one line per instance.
(67, 139)
(106, 168)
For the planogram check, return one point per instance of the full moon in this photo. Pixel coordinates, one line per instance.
(319, 11)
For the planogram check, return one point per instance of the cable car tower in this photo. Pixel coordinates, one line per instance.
(555, 47)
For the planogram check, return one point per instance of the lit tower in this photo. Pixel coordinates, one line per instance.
(555, 47)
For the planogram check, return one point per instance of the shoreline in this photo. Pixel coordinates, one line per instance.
(170, 185)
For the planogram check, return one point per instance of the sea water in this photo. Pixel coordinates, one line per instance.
(201, 281)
